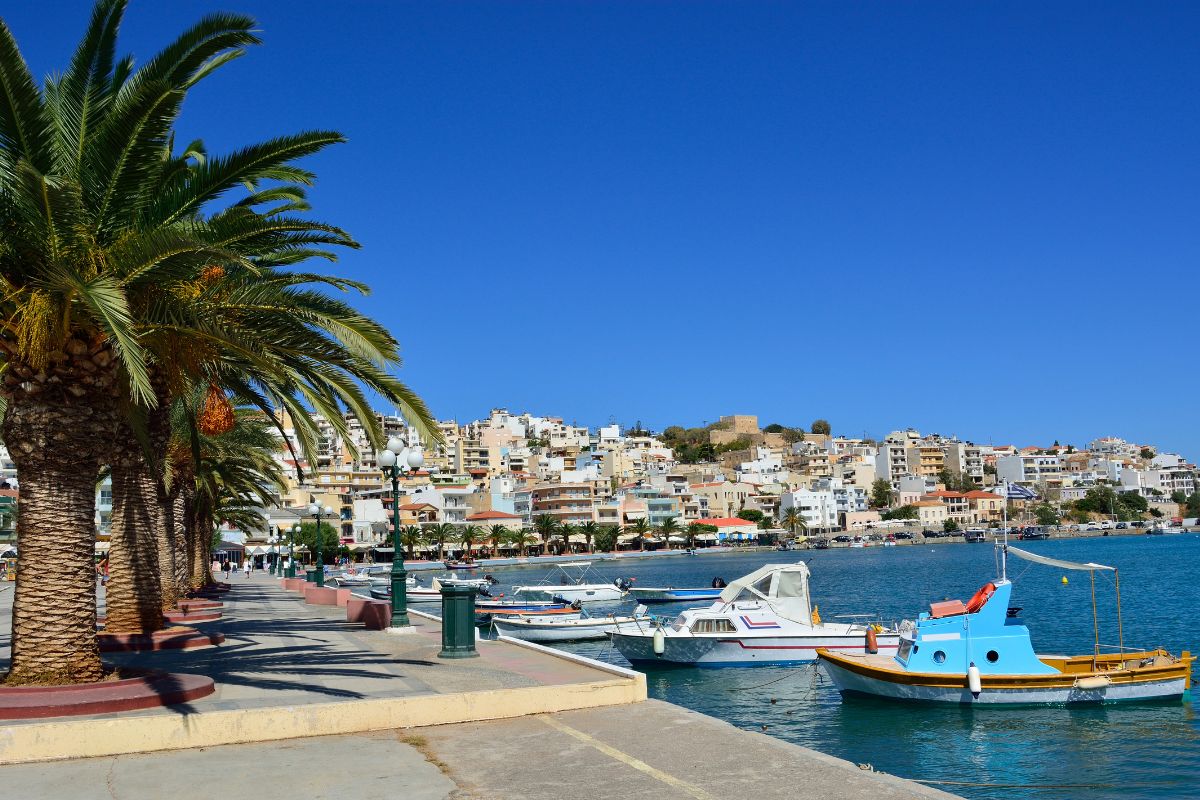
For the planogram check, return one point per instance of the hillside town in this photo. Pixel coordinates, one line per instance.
(735, 480)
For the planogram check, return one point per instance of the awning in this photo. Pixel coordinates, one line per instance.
(360, 547)
(1055, 562)
(101, 547)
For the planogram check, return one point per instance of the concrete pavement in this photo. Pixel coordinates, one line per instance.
(289, 670)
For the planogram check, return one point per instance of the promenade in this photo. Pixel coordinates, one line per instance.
(521, 723)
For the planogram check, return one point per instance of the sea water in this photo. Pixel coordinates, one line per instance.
(1133, 751)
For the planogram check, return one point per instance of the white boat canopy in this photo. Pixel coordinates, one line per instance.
(1055, 562)
(783, 586)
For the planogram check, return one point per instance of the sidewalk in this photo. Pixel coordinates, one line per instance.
(288, 671)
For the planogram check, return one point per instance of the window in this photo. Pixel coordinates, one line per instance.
(713, 626)
(939, 657)
(992, 656)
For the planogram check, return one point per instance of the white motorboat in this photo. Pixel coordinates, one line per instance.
(477, 583)
(573, 585)
(365, 576)
(765, 617)
(559, 629)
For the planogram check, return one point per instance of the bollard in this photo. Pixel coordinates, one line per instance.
(310, 574)
(458, 622)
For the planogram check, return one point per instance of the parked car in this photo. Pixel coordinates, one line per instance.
(1092, 526)
(843, 539)
(1034, 532)
(903, 535)
(1122, 526)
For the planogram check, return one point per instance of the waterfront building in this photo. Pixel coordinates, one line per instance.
(1030, 468)
(818, 507)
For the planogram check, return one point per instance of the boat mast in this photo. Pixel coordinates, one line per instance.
(1004, 533)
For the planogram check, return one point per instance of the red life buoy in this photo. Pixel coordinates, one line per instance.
(981, 597)
(872, 641)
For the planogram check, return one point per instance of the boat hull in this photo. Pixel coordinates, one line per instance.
(648, 595)
(587, 593)
(577, 630)
(725, 650)
(855, 677)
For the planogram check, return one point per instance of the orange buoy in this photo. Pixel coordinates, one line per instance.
(872, 640)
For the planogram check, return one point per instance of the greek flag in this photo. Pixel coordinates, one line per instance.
(1014, 491)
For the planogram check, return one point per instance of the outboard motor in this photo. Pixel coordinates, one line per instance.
(623, 584)
(718, 583)
(491, 580)
(578, 604)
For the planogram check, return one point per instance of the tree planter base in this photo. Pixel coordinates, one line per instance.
(196, 605)
(147, 690)
(167, 639)
(200, 615)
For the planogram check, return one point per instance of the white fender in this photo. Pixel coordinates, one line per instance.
(974, 683)
(660, 642)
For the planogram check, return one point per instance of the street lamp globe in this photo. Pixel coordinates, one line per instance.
(415, 458)
(327, 511)
(296, 529)
(386, 459)
(314, 509)
(395, 445)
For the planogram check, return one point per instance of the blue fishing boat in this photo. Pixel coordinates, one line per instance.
(981, 653)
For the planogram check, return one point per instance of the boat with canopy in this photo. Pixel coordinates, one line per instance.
(980, 653)
(573, 584)
(765, 617)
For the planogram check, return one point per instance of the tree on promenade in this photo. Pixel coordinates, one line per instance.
(496, 536)
(469, 536)
(589, 530)
(438, 534)
(411, 537)
(794, 521)
(545, 526)
(125, 288)
(668, 528)
(522, 539)
(606, 538)
(639, 529)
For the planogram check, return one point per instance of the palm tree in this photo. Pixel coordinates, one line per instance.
(668, 527)
(440, 533)
(115, 270)
(469, 535)
(589, 530)
(564, 533)
(693, 530)
(640, 528)
(793, 520)
(497, 535)
(522, 538)
(546, 527)
(411, 537)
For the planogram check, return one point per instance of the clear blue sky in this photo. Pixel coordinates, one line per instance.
(971, 218)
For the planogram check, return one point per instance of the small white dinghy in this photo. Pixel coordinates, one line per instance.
(535, 629)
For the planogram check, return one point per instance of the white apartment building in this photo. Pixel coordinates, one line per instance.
(1029, 469)
(891, 461)
(819, 508)
(1167, 481)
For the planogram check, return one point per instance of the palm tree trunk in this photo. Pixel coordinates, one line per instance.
(134, 597)
(56, 447)
(201, 544)
(183, 553)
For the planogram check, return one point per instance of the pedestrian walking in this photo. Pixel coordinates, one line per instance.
(228, 567)
(247, 567)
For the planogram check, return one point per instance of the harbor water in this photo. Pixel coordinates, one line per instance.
(1118, 751)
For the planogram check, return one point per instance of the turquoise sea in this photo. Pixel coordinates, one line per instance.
(1120, 751)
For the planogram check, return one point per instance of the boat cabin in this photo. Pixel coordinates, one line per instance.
(953, 635)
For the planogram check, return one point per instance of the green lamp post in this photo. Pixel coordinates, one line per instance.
(315, 509)
(395, 460)
(291, 567)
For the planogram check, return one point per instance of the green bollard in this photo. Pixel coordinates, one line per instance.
(310, 574)
(458, 622)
